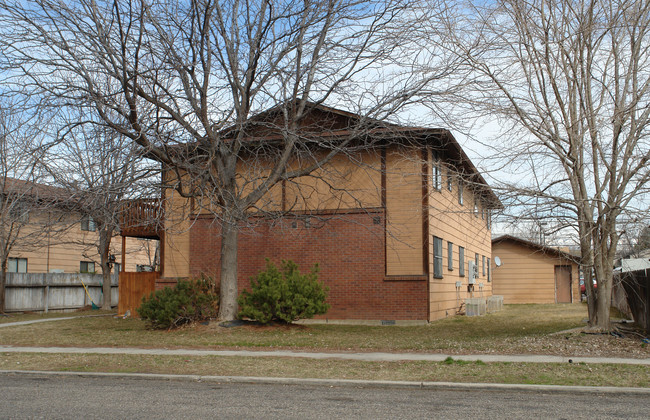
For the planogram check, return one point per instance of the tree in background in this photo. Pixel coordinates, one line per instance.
(184, 81)
(28, 211)
(101, 171)
(569, 81)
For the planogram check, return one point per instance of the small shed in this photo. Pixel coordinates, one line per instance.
(527, 272)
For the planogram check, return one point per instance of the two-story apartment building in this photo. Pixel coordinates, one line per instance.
(55, 237)
(394, 227)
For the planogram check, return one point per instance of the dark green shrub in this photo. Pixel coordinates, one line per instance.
(189, 301)
(283, 295)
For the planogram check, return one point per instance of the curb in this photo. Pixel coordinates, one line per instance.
(349, 383)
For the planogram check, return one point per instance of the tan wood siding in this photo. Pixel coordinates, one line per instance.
(346, 182)
(459, 224)
(404, 228)
(67, 245)
(528, 275)
(178, 221)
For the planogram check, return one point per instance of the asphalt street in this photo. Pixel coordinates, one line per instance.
(73, 396)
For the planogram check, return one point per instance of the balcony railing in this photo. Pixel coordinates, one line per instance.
(142, 219)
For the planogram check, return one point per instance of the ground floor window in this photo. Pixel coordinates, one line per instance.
(450, 256)
(461, 261)
(86, 267)
(483, 264)
(437, 257)
(17, 265)
(489, 270)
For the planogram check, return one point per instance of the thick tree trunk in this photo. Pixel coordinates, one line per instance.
(228, 287)
(3, 281)
(603, 303)
(104, 251)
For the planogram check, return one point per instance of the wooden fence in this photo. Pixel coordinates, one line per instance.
(133, 286)
(637, 288)
(43, 292)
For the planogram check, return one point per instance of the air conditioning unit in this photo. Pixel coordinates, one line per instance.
(472, 272)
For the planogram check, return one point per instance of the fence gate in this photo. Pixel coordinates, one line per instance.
(133, 286)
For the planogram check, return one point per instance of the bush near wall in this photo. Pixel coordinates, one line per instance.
(283, 295)
(188, 301)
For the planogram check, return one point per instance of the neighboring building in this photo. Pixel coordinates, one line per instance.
(532, 273)
(59, 239)
(634, 261)
(394, 229)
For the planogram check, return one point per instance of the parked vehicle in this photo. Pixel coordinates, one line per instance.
(583, 286)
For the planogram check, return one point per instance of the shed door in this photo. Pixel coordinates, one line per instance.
(563, 284)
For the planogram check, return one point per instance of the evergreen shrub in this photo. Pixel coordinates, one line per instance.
(283, 294)
(188, 301)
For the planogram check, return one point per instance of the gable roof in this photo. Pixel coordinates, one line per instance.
(33, 190)
(537, 247)
(322, 122)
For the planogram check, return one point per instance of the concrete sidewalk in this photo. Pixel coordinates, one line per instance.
(370, 357)
(36, 321)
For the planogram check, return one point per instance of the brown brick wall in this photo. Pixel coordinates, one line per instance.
(349, 249)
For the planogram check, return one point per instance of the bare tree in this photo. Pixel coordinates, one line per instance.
(185, 81)
(100, 171)
(571, 81)
(28, 211)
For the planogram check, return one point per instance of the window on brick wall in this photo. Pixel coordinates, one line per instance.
(461, 261)
(437, 257)
(450, 256)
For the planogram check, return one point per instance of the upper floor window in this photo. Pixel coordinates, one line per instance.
(436, 177)
(19, 213)
(88, 224)
(460, 191)
(17, 265)
(449, 180)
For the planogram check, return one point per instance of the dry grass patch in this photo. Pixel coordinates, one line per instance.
(450, 371)
(518, 329)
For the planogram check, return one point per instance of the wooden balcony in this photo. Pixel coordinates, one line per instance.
(141, 219)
